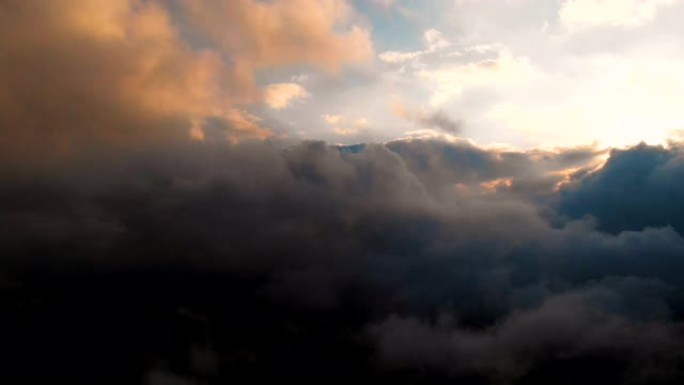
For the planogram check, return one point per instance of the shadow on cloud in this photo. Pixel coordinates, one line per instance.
(414, 261)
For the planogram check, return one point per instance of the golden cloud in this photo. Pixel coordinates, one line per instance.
(106, 72)
(120, 71)
(283, 32)
(280, 95)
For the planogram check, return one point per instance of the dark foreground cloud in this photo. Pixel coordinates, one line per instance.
(572, 335)
(637, 188)
(411, 262)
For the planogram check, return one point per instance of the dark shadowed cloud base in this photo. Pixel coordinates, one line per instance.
(399, 263)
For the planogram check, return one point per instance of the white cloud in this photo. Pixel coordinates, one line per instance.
(346, 131)
(399, 57)
(346, 126)
(450, 81)
(332, 119)
(429, 133)
(435, 40)
(583, 14)
(362, 122)
(280, 95)
(485, 48)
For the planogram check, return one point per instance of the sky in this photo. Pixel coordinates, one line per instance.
(519, 73)
(332, 191)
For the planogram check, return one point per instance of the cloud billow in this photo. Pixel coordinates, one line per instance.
(383, 261)
(637, 188)
(440, 120)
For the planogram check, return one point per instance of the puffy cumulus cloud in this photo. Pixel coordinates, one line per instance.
(583, 14)
(130, 72)
(118, 72)
(172, 264)
(266, 34)
(280, 95)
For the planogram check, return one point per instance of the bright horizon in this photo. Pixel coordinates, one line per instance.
(519, 73)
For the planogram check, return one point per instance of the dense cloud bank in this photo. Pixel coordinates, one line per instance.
(410, 262)
(640, 187)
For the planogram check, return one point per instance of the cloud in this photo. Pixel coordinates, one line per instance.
(634, 190)
(398, 57)
(528, 345)
(151, 232)
(342, 242)
(362, 122)
(133, 72)
(345, 131)
(440, 120)
(583, 14)
(526, 174)
(266, 34)
(435, 40)
(588, 76)
(450, 81)
(332, 119)
(346, 126)
(426, 119)
(280, 95)
(115, 74)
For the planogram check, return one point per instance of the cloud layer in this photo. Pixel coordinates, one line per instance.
(125, 73)
(327, 262)
(160, 225)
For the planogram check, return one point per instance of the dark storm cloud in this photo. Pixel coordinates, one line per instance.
(268, 259)
(573, 331)
(639, 187)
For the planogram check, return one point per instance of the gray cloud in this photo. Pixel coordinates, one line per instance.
(439, 119)
(636, 189)
(570, 333)
(258, 242)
